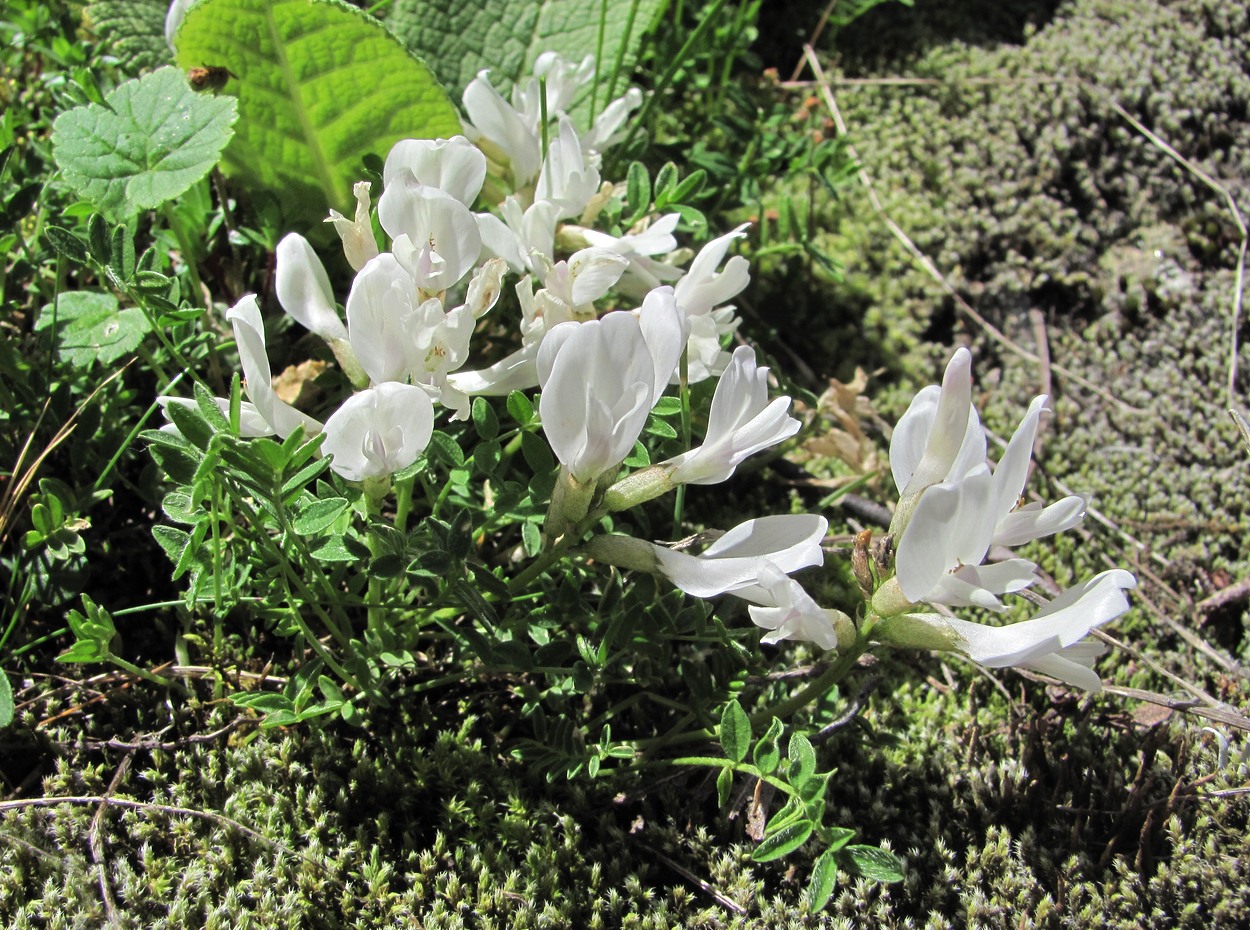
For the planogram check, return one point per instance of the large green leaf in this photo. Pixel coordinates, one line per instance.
(320, 85)
(458, 39)
(153, 139)
(133, 29)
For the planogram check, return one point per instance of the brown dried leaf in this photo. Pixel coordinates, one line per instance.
(295, 384)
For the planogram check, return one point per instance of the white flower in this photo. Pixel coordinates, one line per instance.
(730, 565)
(434, 236)
(173, 19)
(379, 431)
(791, 613)
(571, 286)
(568, 179)
(953, 509)
(359, 245)
(397, 337)
(645, 272)
(506, 137)
(515, 372)
(703, 288)
(520, 233)
(564, 81)
(485, 287)
(607, 129)
(303, 288)
(249, 335)
(600, 380)
(1049, 642)
(742, 421)
(455, 166)
(940, 435)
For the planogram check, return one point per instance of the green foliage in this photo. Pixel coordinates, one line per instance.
(149, 141)
(91, 327)
(7, 707)
(94, 632)
(320, 86)
(507, 36)
(802, 815)
(735, 732)
(133, 29)
(425, 818)
(56, 519)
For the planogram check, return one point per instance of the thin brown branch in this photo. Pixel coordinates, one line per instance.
(689, 876)
(932, 270)
(1233, 594)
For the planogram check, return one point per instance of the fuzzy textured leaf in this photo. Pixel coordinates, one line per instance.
(784, 841)
(877, 864)
(134, 30)
(459, 39)
(153, 139)
(320, 86)
(823, 881)
(7, 707)
(735, 732)
(90, 327)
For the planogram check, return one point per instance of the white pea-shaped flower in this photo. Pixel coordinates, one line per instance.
(303, 288)
(379, 431)
(600, 380)
(249, 335)
(742, 422)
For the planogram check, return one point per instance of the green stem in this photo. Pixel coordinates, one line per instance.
(145, 674)
(374, 610)
(819, 686)
(188, 252)
(324, 654)
(692, 41)
(403, 502)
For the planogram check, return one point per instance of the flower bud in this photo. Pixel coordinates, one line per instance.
(917, 631)
(639, 487)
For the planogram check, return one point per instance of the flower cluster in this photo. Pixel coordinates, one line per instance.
(952, 509)
(608, 321)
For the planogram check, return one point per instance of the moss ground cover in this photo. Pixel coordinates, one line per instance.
(1013, 804)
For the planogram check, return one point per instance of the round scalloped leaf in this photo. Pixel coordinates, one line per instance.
(151, 140)
(320, 85)
(92, 327)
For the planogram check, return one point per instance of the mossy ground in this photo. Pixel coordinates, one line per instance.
(1014, 805)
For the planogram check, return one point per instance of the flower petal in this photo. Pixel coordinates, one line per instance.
(950, 525)
(303, 288)
(1029, 523)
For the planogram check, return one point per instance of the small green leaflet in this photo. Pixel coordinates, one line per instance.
(7, 707)
(877, 864)
(90, 327)
(735, 732)
(153, 139)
